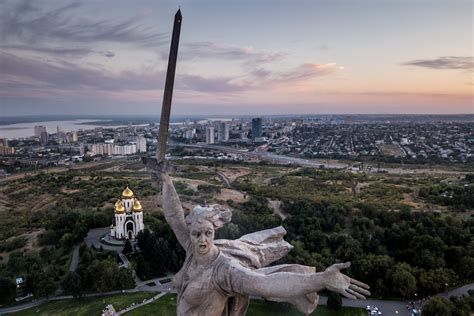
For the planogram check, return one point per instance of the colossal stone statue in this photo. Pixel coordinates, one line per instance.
(219, 276)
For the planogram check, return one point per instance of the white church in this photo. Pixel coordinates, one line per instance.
(128, 219)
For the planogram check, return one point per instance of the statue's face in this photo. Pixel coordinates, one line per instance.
(202, 236)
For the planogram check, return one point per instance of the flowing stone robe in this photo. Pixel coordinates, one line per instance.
(218, 286)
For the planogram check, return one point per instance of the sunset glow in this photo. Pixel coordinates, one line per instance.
(244, 57)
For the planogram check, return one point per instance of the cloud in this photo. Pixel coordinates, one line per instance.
(308, 70)
(449, 62)
(58, 51)
(25, 23)
(226, 51)
(261, 73)
(213, 85)
(259, 79)
(19, 72)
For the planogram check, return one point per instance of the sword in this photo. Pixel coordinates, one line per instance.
(153, 163)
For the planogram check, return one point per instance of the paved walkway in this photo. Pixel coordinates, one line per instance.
(93, 239)
(75, 259)
(151, 300)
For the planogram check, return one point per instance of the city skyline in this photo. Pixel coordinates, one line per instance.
(257, 58)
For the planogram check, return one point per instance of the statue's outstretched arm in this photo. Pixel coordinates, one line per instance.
(174, 211)
(288, 284)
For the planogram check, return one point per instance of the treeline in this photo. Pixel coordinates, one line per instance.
(80, 192)
(98, 271)
(397, 253)
(160, 250)
(45, 271)
(457, 196)
(69, 228)
(454, 306)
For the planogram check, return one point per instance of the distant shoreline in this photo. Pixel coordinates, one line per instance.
(142, 119)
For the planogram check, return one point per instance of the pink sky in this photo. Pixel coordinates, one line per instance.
(246, 57)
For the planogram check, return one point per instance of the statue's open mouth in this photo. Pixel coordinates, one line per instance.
(202, 248)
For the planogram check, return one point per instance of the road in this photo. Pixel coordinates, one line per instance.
(75, 259)
(274, 158)
(93, 239)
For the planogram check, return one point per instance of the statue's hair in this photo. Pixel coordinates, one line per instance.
(215, 214)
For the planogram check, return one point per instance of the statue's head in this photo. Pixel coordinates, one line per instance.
(203, 222)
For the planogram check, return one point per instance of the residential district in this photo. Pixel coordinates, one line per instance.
(382, 139)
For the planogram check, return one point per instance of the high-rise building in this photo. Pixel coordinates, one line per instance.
(44, 137)
(72, 137)
(210, 135)
(128, 149)
(256, 127)
(38, 130)
(190, 133)
(141, 144)
(223, 132)
(6, 151)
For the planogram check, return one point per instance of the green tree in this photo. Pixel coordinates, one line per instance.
(373, 270)
(104, 275)
(403, 281)
(438, 306)
(126, 279)
(127, 248)
(66, 241)
(45, 287)
(72, 284)
(7, 290)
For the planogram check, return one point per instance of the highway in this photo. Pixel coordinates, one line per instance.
(287, 160)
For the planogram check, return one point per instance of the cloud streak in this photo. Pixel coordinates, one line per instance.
(19, 72)
(59, 51)
(449, 62)
(208, 50)
(25, 23)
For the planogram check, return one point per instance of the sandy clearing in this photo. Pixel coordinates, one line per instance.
(229, 194)
(234, 173)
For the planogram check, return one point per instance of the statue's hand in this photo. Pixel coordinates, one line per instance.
(340, 283)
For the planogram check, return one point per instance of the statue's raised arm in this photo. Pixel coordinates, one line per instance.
(173, 211)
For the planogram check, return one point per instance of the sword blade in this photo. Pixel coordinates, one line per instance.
(168, 93)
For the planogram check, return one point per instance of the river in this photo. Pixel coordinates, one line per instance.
(24, 130)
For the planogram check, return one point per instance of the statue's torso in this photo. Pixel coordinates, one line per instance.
(198, 293)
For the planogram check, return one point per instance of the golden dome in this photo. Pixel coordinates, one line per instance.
(137, 207)
(119, 207)
(127, 193)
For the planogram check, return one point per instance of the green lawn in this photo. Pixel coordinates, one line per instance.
(86, 307)
(258, 308)
(166, 306)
